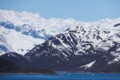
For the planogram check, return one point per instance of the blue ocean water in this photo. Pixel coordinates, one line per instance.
(60, 76)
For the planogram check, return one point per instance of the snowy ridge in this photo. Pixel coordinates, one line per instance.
(52, 26)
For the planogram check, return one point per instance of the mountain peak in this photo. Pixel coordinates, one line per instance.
(34, 29)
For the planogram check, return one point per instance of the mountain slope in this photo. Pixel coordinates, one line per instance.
(15, 58)
(28, 30)
(13, 41)
(82, 48)
(7, 66)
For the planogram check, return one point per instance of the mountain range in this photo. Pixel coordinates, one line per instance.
(28, 39)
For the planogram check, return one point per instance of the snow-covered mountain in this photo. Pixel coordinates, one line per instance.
(88, 47)
(60, 44)
(31, 29)
(21, 31)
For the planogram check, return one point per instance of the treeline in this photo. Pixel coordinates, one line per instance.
(10, 67)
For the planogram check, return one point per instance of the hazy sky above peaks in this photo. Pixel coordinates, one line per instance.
(83, 10)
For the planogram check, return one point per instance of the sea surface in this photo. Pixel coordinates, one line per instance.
(61, 76)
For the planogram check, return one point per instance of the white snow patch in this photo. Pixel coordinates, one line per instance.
(114, 60)
(88, 65)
